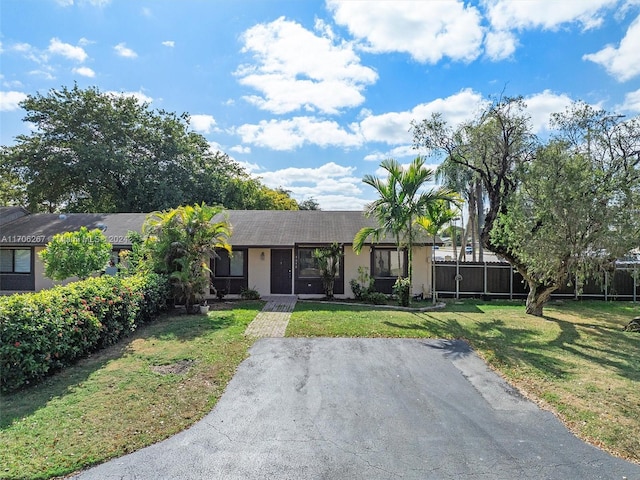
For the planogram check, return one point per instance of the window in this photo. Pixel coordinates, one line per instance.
(229, 265)
(385, 263)
(307, 263)
(14, 260)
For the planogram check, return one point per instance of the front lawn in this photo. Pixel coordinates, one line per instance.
(576, 360)
(157, 382)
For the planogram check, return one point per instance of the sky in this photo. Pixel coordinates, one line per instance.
(310, 95)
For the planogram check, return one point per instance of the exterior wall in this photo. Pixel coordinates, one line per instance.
(351, 264)
(421, 268)
(259, 275)
(422, 259)
(43, 282)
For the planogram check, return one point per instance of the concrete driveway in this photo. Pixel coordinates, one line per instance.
(369, 409)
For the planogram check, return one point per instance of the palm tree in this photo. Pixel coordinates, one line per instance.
(439, 213)
(181, 242)
(402, 199)
(387, 209)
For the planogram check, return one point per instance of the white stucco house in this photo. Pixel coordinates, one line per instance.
(272, 250)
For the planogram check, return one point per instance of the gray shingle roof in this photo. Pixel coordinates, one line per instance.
(286, 228)
(9, 214)
(251, 228)
(38, 228)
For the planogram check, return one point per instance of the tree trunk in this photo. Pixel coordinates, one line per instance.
(538, 296)
(473, 221)
(479, 217)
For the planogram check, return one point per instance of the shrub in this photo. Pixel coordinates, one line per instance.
(363, 285)
(249, 294)
(377, 298)
(402, 289)
(75, 254)
(45, 331)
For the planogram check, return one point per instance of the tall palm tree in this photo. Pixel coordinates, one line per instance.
(402, 198)
(387, 209)
(438, 214)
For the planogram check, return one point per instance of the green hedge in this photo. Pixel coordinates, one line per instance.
(45, 331)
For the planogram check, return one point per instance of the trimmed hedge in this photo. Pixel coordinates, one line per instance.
(45, 331)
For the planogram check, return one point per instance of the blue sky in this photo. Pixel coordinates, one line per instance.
(312, 95)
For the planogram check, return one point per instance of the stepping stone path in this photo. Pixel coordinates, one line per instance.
(273, 319)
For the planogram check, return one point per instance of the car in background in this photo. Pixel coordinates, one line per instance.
(468, 249)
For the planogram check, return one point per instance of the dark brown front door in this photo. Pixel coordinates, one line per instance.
(281, 271)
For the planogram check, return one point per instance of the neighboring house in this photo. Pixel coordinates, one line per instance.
(272, 250)
(24, 235)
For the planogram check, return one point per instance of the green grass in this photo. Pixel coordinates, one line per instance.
(120, 399)
(576, 360)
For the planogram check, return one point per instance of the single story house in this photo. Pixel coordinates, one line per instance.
(272, 250)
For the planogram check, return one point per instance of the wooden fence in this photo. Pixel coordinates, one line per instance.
(500, 280)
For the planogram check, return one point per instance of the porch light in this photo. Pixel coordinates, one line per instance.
(262, 256)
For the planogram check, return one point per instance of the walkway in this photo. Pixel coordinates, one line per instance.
(273, 319)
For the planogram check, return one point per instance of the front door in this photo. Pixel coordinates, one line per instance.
(281, 271)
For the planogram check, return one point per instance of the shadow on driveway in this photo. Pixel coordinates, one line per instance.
(369, 409)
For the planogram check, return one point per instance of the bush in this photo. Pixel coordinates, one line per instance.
(402, 290)
(377, 298)
(363, 288)
(249, 294)
(363, 285)
(45, 331)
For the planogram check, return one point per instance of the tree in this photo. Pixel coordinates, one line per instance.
(438, 214)
(469, 187)
(402, 199)
(180, 242)
(244, 193)
(309, 204)
(499, 147)
(75, 254)
(328, 259)
(100, 152)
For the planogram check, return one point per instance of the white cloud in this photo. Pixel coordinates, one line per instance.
(622, 62)
(93, 3)
(428, 31)
(9, 101)
(11, 83)
(71, 52)
(631, 102)
(21, 47)
(202, 123)
(332, 185)
(139, 96)
(84, 71)
(169, 43)
(240, 149)
(402, 151)
(124, 51)
(506, 15)
(42, 73)
(298, 131)
(540, 106)
(249, 167)
(393, 127)
(326, 78)
(85, 41)
(500, 45)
